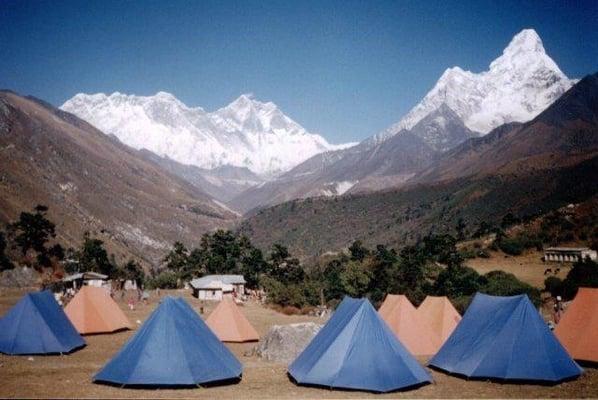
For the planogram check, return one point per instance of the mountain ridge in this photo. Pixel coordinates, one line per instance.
(524, 169)
(93, 182)
(245, 133)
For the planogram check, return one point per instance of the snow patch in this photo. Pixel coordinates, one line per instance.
(246, 133)
(518, 86)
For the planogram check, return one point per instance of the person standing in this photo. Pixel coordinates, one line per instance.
(558, 309)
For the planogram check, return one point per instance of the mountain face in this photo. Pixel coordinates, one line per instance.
(222, 183)
(524, 169)
(247, 133)
(92, 182)
(518, 85)
(365, 167)
(566, 132)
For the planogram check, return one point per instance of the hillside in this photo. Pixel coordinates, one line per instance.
(92, 182)
(518, 85)
(524, 169)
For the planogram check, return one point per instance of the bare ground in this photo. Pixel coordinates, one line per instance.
(70, 375)
(528, 267)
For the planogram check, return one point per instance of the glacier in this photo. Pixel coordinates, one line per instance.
(246, 133)
(517, 86)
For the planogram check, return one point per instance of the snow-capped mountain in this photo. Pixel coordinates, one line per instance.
(246, 133)
(518, 85)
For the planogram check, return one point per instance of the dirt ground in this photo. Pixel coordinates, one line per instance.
(528, 267)
(70, 376)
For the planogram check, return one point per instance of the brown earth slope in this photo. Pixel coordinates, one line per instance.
(524, 169)
(92, 182)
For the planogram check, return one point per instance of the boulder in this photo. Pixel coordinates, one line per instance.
(283, 343)
(19, 277)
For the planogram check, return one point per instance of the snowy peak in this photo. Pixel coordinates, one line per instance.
(248, 114)
(518, 85)
(247, 133)
(526, 41)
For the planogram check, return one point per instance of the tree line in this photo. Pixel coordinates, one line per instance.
(31, 241)
(432, 266)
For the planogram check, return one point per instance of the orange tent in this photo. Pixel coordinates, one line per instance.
(402, 318)
(578, 329)
(440, 316)
(229, 323)
(92, 310)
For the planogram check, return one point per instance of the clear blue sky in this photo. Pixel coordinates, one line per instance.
(343, 69)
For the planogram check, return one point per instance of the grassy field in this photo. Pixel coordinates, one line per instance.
(528, 267)
(70, 375)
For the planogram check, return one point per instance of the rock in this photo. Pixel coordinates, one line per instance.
(19, 277)
(283, 343)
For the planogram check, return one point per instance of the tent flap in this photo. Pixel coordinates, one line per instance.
(578, 329)
(173, 347)
(92, 310)
(357, 350)
(505, 338)
(229, 323)
(38, 325)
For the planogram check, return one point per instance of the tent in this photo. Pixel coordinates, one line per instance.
(92, 310)
(403, 319)
(173, 347)
(357, 350)
(37, 325)
(439, 315)
(578, 329)
(229, 323)
(505, 338)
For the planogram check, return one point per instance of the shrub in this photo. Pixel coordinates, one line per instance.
(511, 246)
(583, 274)
(164, 280)
(457, 281)
(553, 285)
(290, 310)
(500, 283)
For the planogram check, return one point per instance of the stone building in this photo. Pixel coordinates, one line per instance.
(568, 254)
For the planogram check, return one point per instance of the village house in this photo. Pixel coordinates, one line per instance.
(568, 254)
(216, 287)
(77, 280)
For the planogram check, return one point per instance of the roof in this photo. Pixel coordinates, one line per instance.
(37, 325)
(357, 350)
(567, 249)
(85, 276)
(173, 347)
(207, 281)
(229, 323)
(92, 310)
(505, 338)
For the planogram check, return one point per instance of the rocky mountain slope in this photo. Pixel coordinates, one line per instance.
(92, 182)
(564, 134)
(246, 133)
(519, 84)
(524, 169)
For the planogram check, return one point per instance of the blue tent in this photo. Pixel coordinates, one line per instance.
(505, 338)
(37, 325)
(357, 350)
(173, 347)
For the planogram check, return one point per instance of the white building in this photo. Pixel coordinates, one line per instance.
(215, 287)
(85, 278)
(569, 254)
